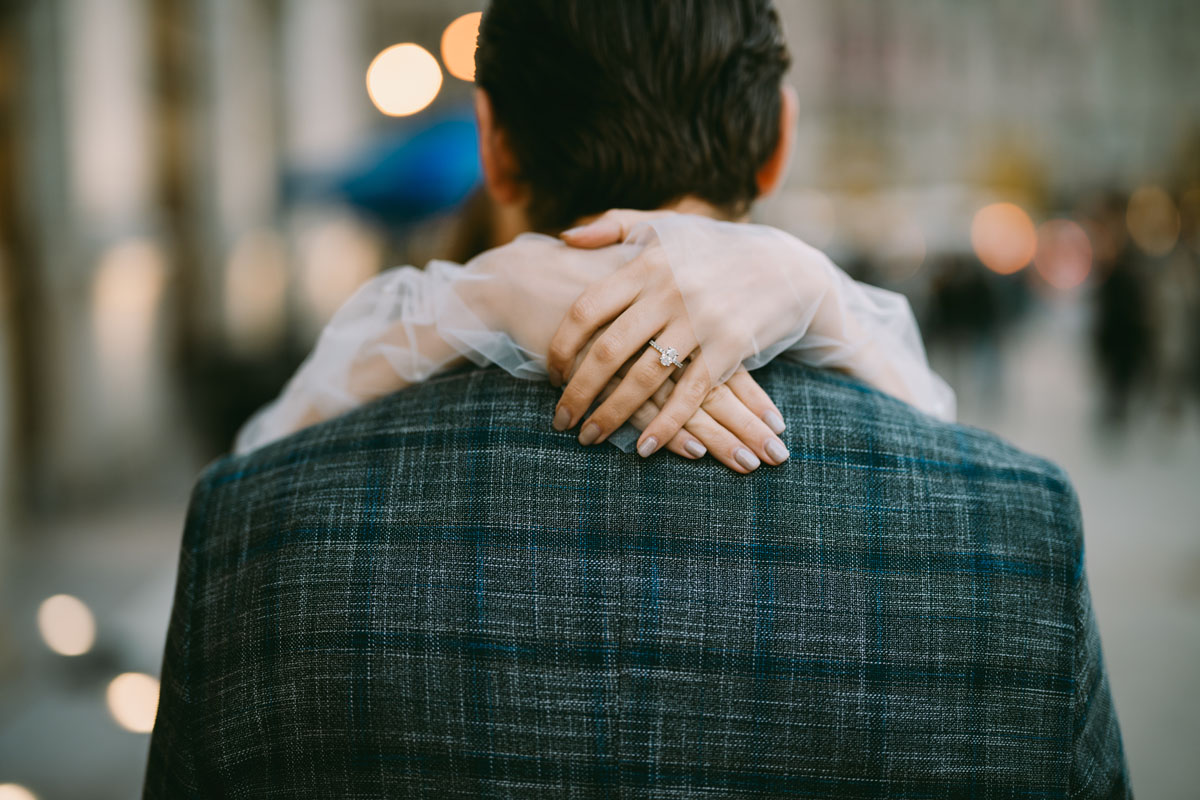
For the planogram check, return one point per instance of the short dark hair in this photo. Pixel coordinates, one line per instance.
(634, 103)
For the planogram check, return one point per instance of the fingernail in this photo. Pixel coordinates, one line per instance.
(562, 418)
(774, 422)
(746, 459)
(589, 434)
(647, 448)
(573, 231)
(777, 452)
(556, 378)
(695, 448)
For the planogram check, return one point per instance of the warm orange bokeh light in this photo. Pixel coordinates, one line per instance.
(403, 79)
(458, 46)
(1003, 237)
(1153, 220)
(1064, 254)
(256, 282)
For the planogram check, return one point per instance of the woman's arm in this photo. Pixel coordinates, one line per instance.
(406, 325)
(381, 340)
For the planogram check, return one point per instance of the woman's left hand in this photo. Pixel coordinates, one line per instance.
(641, 301)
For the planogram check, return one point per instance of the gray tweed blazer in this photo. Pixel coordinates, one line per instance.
(438, 595)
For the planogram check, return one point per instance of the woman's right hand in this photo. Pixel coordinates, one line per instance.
(525, 288)
(740, 410)
(733, 298)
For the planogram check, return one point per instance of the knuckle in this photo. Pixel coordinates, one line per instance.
(647, 379)
(608, 349)
(575, 398)
(642, 418)
(582, 311)
(718, 394)
(695, 393)
(558, 354)
(673, 422)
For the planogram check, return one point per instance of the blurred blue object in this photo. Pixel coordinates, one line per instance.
(421, 168)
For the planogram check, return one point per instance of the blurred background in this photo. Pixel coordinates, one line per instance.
(189, 188)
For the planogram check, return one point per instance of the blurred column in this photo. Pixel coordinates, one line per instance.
(7, 423)
(286, 107)
(327, 114)
(324, 69)
(242, 291)
(102, 393)
(9, 71)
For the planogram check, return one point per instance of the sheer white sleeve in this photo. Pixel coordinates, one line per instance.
(407, 324)
(504, 306)
(754, 293)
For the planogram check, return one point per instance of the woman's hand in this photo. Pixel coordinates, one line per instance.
(737, 407)
(733, 308)
(525, 289)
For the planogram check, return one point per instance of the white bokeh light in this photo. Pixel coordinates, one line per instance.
(133, 701)
(67, 626)
(403, 79)
(13, 791)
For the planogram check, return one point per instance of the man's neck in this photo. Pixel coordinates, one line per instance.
(511, 221)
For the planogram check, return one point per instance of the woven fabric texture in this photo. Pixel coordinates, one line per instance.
(438, 595)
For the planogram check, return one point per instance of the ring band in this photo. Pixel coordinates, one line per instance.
(668, 356)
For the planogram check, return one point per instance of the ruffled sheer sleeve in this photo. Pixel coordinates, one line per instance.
(805, 309)
(504, 306)
(408, 324)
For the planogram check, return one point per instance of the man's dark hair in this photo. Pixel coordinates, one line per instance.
(634, 103)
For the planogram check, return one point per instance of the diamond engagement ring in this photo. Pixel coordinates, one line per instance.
(668, 355)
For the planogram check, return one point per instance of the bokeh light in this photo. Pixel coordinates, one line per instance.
(133, 701)
(1064, 254)
(126, 295)
(403, 79)
(1153, 220)
(336, 257)
(255, 292)
(1004, 237)
(13, 791)
(67, 625)
(458, 46)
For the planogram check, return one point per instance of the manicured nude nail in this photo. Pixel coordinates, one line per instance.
(695, 448)
(647, 448)
(569, 232)
(777, 452)
(774, 422)
(589, 434)
(562, 418)
(746, 459)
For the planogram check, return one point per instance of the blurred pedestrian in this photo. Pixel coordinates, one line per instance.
(1121, 334)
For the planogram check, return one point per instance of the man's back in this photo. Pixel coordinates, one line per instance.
(438, 595)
